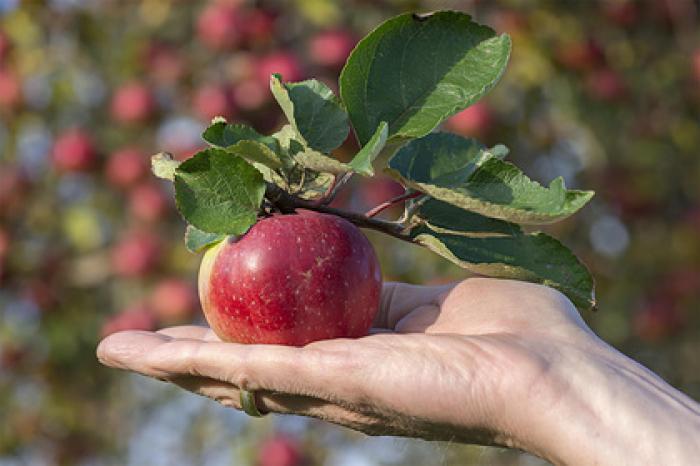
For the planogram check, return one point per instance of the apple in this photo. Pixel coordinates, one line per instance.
(476, 120)
(74, 151)
(135, 317)
(657, 320)
(250, 94)
(291, 279)
(132, 103)
(10, 90)
(148, 202)
(331, 48)
(136, 254)
(173, 300)
(624, 13)
(165, 63)
(218, 26)
(213, 100)
(580, 55)
(257, 26)
(126, 166)
(282, 62)
(606, 85)
(279, 451)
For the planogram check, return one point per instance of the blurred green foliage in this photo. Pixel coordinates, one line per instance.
(605, 93)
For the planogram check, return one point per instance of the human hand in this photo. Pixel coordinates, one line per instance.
(486, 361)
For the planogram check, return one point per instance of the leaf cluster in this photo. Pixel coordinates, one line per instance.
(399, 83)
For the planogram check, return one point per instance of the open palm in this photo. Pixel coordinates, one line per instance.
(465, 362)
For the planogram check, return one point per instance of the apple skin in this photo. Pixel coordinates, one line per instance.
(291, 280)
(280, 451)
(74, 151)
(132, 103)
(126, 166)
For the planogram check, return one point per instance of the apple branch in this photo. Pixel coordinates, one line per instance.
(287, 203)
(391, 202)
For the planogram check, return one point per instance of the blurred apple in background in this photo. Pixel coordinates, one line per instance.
(135, 317)
(257, 27)
(5, 46)
(136, 254)
(173, 300)
(331, 48)
(165, 63)
(148, 201)
(10, 90)
(624, 13)
(279, 451)
(211, 100)
(580, 55)
(126, 166)
(251, 94)
(74, 151)
(657, 320)
(281, 62)
(218, 26)
(696, 65)
(606, 85)
(132, 103)
(476, 120)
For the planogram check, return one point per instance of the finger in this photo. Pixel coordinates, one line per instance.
(229, 396)
(293, 370)
(398, 299)
(418, 321)
(193, 332)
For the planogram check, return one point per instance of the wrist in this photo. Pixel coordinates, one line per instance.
(600, 407)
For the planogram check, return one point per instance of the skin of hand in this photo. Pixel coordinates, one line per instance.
(485, 361)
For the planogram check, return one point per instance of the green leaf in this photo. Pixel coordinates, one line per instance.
(218, 192)
(305, 156)
(463, 173)
(362, 162)
(163, 166)
(254, 151)
(415, 71)
(224, 135)
(313, 111)
(443, 217)
(197, 240)
(314, 160)
(533, 257)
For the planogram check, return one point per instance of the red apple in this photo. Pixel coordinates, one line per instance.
(135, 317)
(257, 26)
(165, 63)
(173, 300)
(218, 26)
(132, 103)
(331, 48)
(73, 151)
(136, 254)
(580, 56)
(291, 279)
(10, 90)
(148, 202)
(126, 166)
(606, 85)
(282, 62)
(213, 100)
(624, 13)
(476, 120)
(250, 94)
(279, 451)
(657, 320)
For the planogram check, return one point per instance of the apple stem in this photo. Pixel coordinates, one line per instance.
(288, 203)
(386, 204)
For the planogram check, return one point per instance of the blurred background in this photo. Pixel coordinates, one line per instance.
(604, 93)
